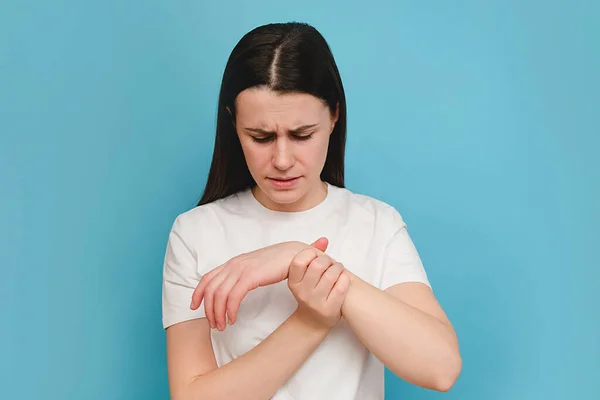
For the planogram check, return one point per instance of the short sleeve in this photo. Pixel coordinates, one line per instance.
(180, 278)
(401, 261)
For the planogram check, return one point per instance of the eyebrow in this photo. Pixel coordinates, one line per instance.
(297, 130)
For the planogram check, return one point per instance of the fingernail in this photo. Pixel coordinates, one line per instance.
(192, 304)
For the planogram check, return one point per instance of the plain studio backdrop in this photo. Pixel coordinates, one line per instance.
(478, 120)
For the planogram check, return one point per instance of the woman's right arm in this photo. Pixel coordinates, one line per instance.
(257, 374)
(319, 285)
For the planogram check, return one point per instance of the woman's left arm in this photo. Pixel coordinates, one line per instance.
(407, 330)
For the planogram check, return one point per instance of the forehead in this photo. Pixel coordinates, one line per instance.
(263, 107)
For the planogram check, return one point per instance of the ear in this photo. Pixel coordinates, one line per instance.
(335, 116)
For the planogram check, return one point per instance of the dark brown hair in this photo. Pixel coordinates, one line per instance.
(285, 57)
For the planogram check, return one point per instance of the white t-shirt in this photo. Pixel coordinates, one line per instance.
(366, 235)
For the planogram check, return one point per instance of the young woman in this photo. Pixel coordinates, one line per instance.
(281, 283)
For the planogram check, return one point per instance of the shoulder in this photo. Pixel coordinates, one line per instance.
(206, 218)
(367, 207)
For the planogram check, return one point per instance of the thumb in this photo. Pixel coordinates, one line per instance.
(321, 244)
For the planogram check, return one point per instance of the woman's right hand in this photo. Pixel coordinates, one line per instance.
(319, 285)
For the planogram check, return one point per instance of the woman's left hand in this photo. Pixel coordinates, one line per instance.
(224, 288)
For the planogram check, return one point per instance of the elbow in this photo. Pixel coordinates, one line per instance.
(444, 384)
(187, 391)
(446, 378)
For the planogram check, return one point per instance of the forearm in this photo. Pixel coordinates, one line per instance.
(260, 372)
(414, 345)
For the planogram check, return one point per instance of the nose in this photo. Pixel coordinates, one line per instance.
(283, 157)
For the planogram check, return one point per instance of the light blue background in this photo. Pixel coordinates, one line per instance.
(478, 120)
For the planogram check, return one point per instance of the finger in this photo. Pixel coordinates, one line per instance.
(315, 270)
(328, 280)
(237, 294)
(221, 298)
(321, 244)
(339, 291)
(299, 265)
(209, 296)
(198, 294)
(199, 291)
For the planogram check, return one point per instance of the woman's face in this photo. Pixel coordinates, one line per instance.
(285, 138)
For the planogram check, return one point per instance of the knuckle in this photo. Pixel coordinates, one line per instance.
(321, 259)
(339, 273)
(318, 265)
(295, 264)
(205, 280)
(310, 252)
(344, 286)
(335, 270)
(211, 274)
(243, 263)
(340, 289)
(326, 260)
(297, 261)
(246, 277)
(234, 294)
(235, 298)
(210, 290)
(330, 276)
(232, 305)
(236, 262)
(305, 256)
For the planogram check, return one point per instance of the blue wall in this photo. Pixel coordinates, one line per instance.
(477, 120)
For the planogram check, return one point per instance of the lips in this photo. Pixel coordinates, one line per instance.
(284, 183)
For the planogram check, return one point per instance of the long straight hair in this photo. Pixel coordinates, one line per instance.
(287, 58)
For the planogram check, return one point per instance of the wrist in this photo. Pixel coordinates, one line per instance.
(354, 281)
(309, 325)
(298, 246)
(293, 248)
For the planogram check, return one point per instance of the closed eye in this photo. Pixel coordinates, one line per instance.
(304, 137)
(266, 139)
(262, 140)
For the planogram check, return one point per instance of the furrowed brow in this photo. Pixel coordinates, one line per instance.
(294, 131)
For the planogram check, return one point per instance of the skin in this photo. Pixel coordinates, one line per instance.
(403, 326)
(298, 127)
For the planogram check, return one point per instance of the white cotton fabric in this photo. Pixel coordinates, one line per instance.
(367, 235)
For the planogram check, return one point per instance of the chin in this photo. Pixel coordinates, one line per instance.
(283, 196)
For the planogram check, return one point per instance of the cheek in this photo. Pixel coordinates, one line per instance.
(256, 156)
(323, 147)
(316, 152)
